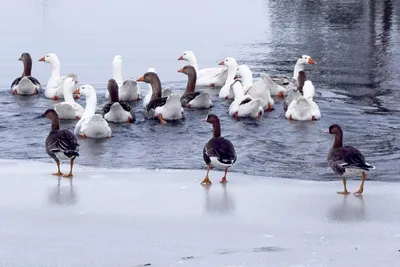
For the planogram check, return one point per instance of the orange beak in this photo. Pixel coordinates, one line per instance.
(311, 61)
(221, 63)
(141, 79)
(77, 92)
(42, 59)
(180, 58)
(181, 70)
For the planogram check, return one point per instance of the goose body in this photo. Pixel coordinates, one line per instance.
(54, 88)
(299, 66)
(190, 98)
(295, 92)
(129, 90)
(346, 161)
(116, 111)
(208, 76)
(91, 125)
(26, 84)
(69, 109)
(232, 66)
(244, 105)
(60, 144)
(304, 108)
(165, 92)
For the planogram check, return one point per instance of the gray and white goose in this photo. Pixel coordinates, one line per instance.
(116, 111)
(26, 84)
(60, 144)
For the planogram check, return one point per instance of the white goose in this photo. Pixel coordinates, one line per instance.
(91, 125)
(232, 66)
(69, 109)
(165, 92)
(244, 105)
(257, 90)
(54, 87)
(129, 90)
(304, 108)
(205, 77)
(299, 66)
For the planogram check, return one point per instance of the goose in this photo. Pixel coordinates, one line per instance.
(346, 160)
(295, 92)
(206, 77)
(165, 92)
(69, 109)
(190, 98)
(257, 90)
(54, 87)
(299, 66)
(166, 108)
(218, 152)
(244, 105)
(232, 66)
(60, 144)
(116, 111)
(26, 84)
(129, 90)
(304, 108)
(91, 125)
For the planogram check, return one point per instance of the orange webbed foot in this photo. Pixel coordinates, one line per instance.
(57, 174)
(68, 175)
(206, 181)
(54, 98)
(223, 180)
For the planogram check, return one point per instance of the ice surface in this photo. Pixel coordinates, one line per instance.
(166, 218)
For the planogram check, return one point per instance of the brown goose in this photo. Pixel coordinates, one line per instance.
(190, 98)
(26, 84)
(60, 144)
(218, 151)
(346, 160)
(294, 94)
(116, 111)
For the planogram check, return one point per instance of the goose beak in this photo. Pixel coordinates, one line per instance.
(77, 92)
(76, 81)
(180, 58)
(181, 70)
(141, 79)
(311, 61)
(236, 77)
(42, 59)
(221, 63)
(20, 59)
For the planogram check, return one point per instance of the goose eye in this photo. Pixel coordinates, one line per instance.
(184, 54)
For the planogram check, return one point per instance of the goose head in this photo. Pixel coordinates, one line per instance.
(230, 63)
(25, 57)
(69, 84)
(244, 72)
(188, 70)
(308, 89)
(117, 60)
(85, 90)
(306, 60)
(49, 58)
(149, 77)
(187, 56)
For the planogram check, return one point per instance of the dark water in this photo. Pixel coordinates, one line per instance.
(356, 45)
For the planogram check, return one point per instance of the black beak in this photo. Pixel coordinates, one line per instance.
(43, 115)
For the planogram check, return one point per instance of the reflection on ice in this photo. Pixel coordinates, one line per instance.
(219, 201)
(63, 195)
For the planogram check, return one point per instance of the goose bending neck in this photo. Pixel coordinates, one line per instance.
(190, 87)
(90, 109)
(117, 71)
(27, 67)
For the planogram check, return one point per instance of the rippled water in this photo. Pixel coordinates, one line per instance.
(356, 45)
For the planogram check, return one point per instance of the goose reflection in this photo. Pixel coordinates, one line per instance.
(351, 209)
(63, 195)
(219, 202)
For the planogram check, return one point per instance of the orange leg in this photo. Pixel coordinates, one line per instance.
(77, 118)
(290, 117)
(344, 192)
(58, 173)
(281, 94)
(36, 91)
(130, 120)
(269, 108)
(15, 92)
(361, 189)
(69, 175)
(76, 97)
(54, 98)
(160, 117)
(223, 180)
(207, 179)
(313, 118)
(84, 136)
(236, 115)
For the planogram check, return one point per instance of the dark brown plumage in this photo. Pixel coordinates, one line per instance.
(112, 88)
(27, 61)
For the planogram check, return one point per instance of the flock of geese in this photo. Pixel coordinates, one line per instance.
(249, 99)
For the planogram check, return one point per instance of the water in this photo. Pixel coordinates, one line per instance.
(356, 45)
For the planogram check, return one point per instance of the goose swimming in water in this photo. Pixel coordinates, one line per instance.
(26, 84)
(116, 111)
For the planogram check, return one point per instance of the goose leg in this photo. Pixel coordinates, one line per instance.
(160, 117)
(223, 180)
(69, 175)
(361, 189)
(58, 173)
(345, 192)
(207, 180)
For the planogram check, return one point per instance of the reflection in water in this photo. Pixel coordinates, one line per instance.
(348, 210)
(219, 203)
(63, 195)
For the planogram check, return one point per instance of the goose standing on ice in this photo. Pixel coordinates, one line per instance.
(218, 151)
(346, 160)
(60, 144)
(190, 98)
(26, 84)
(116, 111)
(206, 77)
